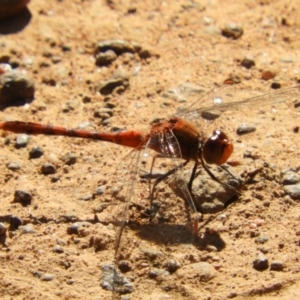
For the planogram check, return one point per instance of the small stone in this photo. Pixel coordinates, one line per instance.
(69, 158)
(290, 177)
(3, 229)
(275, 85)
(277, 266)
(117, 45)
(48, 169)
(157, 272)
(70, 281)
(22, 197)
(267, 75)
(109, 278)
(245, 128)
(201, 270)
(152, 254)
(261, 239)
(47, 277)
(260, 263)
(16, 89)
(58, 249)
(100, 190)
(293, 191)
(105, 58)
(21, 141)
(14, 222)
(232, 30)
(26, 229)
(248, 62)
(171, 265)
(108, 86)
(79, 228)
(56, 59)
(36, 152)
(13, 166)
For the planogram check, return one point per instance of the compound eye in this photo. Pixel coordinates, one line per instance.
(217, 149)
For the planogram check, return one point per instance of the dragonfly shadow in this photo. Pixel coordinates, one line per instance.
(175, 234)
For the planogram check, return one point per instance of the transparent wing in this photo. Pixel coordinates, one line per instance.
(270, 121)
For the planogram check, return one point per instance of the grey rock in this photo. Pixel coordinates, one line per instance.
(36, 152)
(69, 158)
(105, 58)
(48, 169)
(277, 266)
(113, 280)
(232, 30)
(14, 222)
(13, 166)
(108, 86)
(290, 177)
(16, 88)
(171, 265)
(293, 191)
(58, 249)
(22, 197)
(47, 277)
(201, 270)
(118, 46)
(21, 141)
(261, 263)
(245, 128)
(26, 229)
(79, 228)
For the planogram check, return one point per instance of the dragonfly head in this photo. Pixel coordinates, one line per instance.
(217, 148)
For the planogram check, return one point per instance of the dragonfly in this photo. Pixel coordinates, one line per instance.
(204, 134)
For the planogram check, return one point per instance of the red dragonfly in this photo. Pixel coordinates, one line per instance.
(203, 134)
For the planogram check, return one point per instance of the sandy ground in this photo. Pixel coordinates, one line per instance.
(184, 53)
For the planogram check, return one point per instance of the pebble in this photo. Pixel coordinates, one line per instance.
(118, 46)
(47, 277)
(80, 228)
(22, 140)
(36, 152)
(69, 158)
(152, 254)
(110, 275)
(201, 270)
(3, 229)
(48, 169)
(293, 191)
(26, 229)
(108, 86)
(58, 249)
(105, 58)
(157, 272)
(171, 265)
(14, 222)
(290, 177)
(22, 197)
(275, 85)
(261, 263)
(267, 75)
(232, 30)
(261, 239)
(100, 190)
(248, 62)
(10, 8)
(13, 166)
(277, 266)
(245, 128)
(16, 88)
